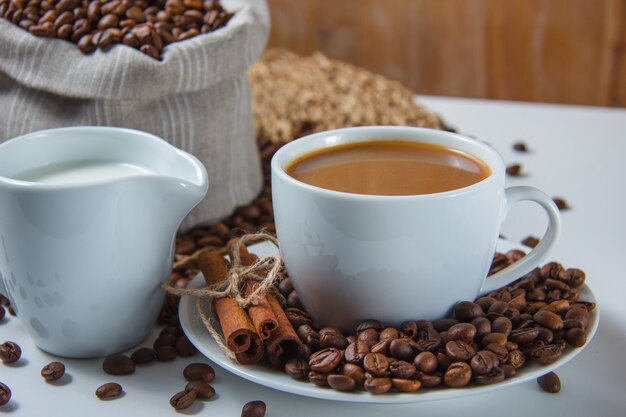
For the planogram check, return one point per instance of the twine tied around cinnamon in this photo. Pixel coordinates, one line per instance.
(265, 271)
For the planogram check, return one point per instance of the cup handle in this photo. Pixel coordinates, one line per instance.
(539, 253)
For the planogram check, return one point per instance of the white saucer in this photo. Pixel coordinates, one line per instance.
(265, 375)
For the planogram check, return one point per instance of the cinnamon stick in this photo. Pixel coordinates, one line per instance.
(283, 343)
(262, 316)
(239, 332)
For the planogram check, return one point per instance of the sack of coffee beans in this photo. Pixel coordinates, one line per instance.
(194, 92)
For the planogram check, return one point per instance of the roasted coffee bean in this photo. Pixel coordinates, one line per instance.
(403, 349)
(545, 335)
(318, 378)
(326, 360)
(203, 389)
(516, 358)
(425, 362)
(309, 336)
(483, 327)
(428, 379)
(164, 340)
(443, 325)
(401, 369)
(332, 339)
(369, 336)
(509, 370)
(573, 277)
(483, 362)
(443, 361)
(10, 352)
(285, 286)
(550, 382)
(462, 331)
(109, 391)
(199, 372)
(524, 335)
(356, 351)
(381, 347)
(577, 313)
(458, 350)
(576, 337)
(561, 203)
(409, 328)
(297, 317)
(377, 385)
(5, 394)
(184, 347)
(457, 375)
(530, 241)
(405, 385)
(511, 346)
(53, 371)
(491, 338)
(466, 311)
(514, 255)
(370, 324)
(389, 333)
(376, 364)
(297, 368)
(183, 399)
(293, 301)
(520, 147)
(548, 319)
(499, 350)
(2, 313)
(254, 409)
(485, 303)
(514, 170)
(354, 372)
(341, 382)
(502, 325)
(118, 365)
(559, 307)
(547, 354)
(496, 375)
(166, 353)
(143, 355)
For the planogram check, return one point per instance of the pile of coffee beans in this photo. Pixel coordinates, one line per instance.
(485, 341)
(147, 25)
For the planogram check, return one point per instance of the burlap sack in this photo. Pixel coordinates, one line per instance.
(197, 97)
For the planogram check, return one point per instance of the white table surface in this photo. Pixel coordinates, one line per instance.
(576, 153)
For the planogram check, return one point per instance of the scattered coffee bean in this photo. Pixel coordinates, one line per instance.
(325, 360)
(550, 382)
(514, 170)
(530, 241)
(184, 347)
(167, 339)
(561, 203)
(183, 399)
(341, 382)
(143, 355)
(203, 389)
(405, 385)
(109, 391)
(53, 371)
(5, 394)
(166, 354)
(10, 352)
(199, 372)
(457, 375)
(253, 409)
(297, 368)
(377, 385)
(520, 146)
(118, 365)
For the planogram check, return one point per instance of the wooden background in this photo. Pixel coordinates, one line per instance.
(560, 51)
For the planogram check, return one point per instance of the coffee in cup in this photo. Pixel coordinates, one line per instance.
(358, 249)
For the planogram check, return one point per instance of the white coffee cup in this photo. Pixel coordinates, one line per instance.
(354, 257)
(88, 217)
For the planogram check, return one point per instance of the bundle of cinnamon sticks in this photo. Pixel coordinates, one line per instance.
(261, 329)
